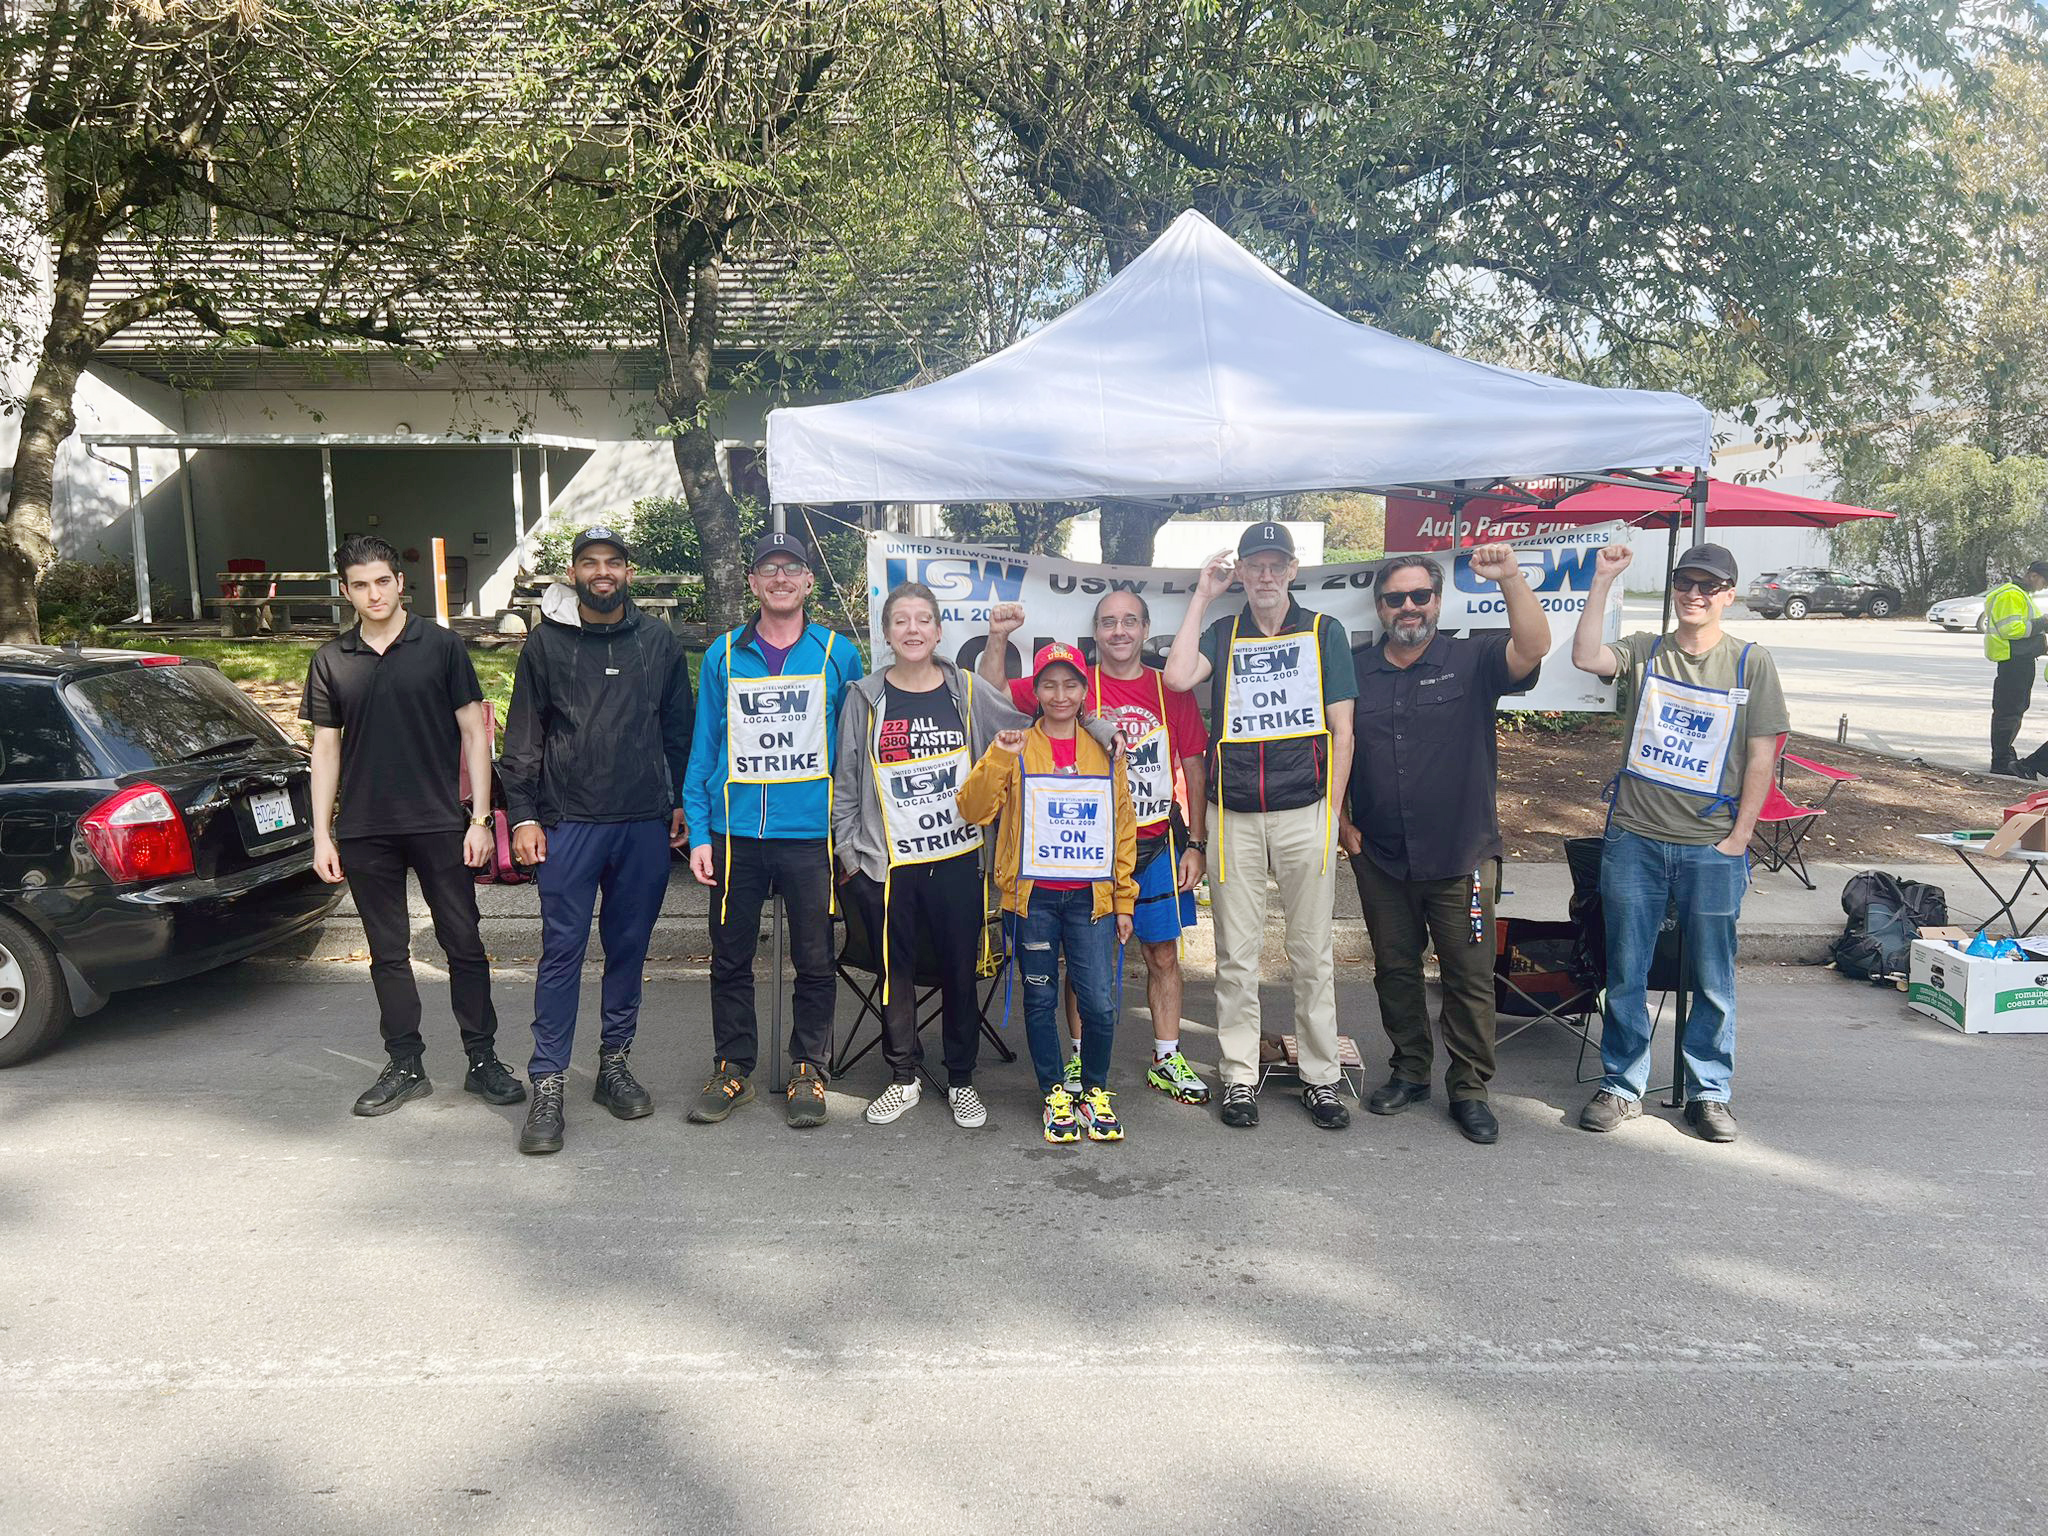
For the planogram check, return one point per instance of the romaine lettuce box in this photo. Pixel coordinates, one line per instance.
(1978, 997)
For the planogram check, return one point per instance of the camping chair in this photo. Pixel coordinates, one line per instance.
(860, 967)
(1537, 979)
(1782, 825)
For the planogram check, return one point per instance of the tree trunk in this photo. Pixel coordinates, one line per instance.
(46, 420)
(1127, 532)
(686, 283)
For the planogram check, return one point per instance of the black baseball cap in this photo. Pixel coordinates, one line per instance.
(781, 544)
(1266, 536)
(1711, 558)
(600, 534)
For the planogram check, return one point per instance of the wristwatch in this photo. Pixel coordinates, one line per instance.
(1199, 844)
(480, 821)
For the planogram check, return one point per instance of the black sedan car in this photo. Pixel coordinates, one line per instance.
(153, 823)
(1799, 590)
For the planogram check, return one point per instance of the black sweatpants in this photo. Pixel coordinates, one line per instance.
(376, 868)
(945, 900)
(800, 871)
(2012, 692)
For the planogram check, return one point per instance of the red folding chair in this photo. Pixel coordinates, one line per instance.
(1783, 824)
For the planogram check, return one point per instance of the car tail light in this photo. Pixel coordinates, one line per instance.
(138, 835)
(162, 661)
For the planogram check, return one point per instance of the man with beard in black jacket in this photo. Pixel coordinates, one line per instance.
(596, 746)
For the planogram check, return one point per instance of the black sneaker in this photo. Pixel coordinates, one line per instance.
(723, 1092)
(1240, 1106)
(400, 1080)
(1604, 1111)
(1324, 1107)
(491, 1080)
(618, 1090)
(543, 1129)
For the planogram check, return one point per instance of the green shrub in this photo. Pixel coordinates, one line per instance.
(79, 596)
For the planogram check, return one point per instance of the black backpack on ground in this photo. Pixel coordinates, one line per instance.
(1885, 915)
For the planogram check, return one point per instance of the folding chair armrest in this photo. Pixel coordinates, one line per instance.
(1835, 775)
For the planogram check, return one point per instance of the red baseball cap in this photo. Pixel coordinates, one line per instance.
(1058, 652)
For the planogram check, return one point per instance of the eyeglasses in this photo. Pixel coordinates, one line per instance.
(1705, 588)
(1421, 597)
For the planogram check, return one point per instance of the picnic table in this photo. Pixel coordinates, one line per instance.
(252, 601)
(527, 595)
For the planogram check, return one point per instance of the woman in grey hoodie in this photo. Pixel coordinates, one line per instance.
(908, 734)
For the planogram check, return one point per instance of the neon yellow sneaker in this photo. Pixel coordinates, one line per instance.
(1098, 1118)
(1060, 1125)
(1073, 1076)
(1172, 1076)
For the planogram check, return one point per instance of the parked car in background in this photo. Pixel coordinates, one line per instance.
(154, 823)
(1959, 613)
(1795, 592)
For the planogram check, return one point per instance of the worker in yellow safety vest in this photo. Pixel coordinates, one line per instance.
(2014, 626)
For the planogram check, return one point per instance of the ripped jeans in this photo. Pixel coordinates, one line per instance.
(1060, 922)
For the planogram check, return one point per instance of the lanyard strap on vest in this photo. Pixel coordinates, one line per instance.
(1220, 703)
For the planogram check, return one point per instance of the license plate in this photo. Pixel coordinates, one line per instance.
(272, 810)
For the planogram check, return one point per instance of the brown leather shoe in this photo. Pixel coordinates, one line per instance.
(1712, 1118)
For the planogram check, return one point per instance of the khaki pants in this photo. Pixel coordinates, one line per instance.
(1293, 847)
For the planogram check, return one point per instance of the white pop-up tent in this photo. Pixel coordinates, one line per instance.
(1200, 372)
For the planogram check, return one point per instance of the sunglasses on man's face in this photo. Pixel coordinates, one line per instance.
(1421, 597)
(1704, 586)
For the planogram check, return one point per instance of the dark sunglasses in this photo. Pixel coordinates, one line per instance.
(1421, 597)
(1706, 588)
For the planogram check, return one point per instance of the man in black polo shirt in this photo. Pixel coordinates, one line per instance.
(1421, 826)
(396, 709)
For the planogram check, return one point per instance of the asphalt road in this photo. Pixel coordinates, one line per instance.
(226, 1305)
(1908, 688)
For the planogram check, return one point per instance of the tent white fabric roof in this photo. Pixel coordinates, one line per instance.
(1200, 371)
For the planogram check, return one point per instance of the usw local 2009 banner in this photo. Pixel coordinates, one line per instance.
(1059, 600)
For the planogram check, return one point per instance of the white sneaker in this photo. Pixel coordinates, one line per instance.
(896, 1100)
(969, 1113)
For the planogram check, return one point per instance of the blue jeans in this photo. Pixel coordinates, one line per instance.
(1060, 922)
(1637, 875)
(628, 861)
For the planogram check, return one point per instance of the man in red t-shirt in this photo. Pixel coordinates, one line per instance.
(1166, 749)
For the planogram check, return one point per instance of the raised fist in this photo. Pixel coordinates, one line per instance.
(1494, 562)
(1216, 574)
(1614, 559)
(1004, 620)
(1010, 741)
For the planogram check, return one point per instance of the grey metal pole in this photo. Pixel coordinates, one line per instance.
(1699, 505)
(777, 1075)
(778, 517)
(327, 505)
(139, 535)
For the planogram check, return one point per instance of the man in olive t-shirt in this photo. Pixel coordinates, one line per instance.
(1703, 736)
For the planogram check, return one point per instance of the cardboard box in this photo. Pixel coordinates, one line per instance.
(1978, 997)
(1960, 935)
(2028, 831)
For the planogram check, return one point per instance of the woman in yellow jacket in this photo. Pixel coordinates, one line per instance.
(1065, 853)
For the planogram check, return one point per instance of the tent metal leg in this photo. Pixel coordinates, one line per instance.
(777, 1069)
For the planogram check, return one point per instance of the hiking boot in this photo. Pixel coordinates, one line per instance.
(1712, 1118)
(1608, 1110)
(1395, 1095)
(543, 1129)
(1240, 1106)
(969, 1113)
(1174, 1077)
(618, 1090)
(492, 1081)
(723, 1092)
(806, 1094)
(400, 1080)
(894, 1102)
(1324, 1107)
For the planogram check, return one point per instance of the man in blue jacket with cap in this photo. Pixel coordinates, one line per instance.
(759, 807)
